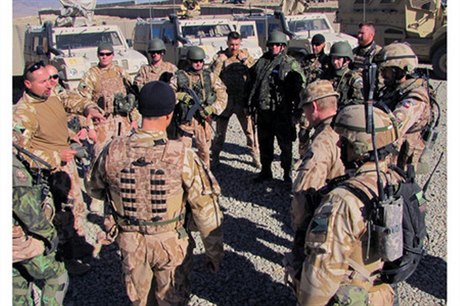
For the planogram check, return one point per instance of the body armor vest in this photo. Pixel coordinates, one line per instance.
(203, 88)
(235, 75)
(363, 56)
(109, 83)
(149, 181)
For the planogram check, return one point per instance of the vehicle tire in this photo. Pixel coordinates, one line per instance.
(439, 62)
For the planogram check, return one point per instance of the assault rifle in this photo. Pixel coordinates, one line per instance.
(197, 106)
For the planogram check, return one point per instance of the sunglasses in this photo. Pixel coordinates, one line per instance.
(105, 53)
(197, 61)
(36, 66)
(274, 45)
(54, 76)
(155, 52)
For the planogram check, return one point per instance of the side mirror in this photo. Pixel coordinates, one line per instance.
(129, 41)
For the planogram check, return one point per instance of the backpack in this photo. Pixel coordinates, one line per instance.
(413, 227)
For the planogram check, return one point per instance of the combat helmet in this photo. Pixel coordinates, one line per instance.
(277, 37)
(156, 44)
(195, 53)
(316, 90)
(341, 49)
(397, 55)
(350, 123)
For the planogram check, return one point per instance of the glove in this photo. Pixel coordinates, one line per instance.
(206, 111)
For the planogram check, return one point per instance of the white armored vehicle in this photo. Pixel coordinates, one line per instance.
(207, 32)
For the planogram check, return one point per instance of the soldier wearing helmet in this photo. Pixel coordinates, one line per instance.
(213, 98)
(320, 164)
(347, 82)
(367, 47)
(407, 97)
(232, 65)
(158, 68)
(336, 267)
(151, 180)
(276, 82)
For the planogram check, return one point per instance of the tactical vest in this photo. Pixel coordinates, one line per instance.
(363, 56)
(149, 184)
(344, 86)
(203, 89)
(109, 83)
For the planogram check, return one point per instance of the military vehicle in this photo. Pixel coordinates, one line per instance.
(300, 28)
(207, 32)
(73, 50)
(423, 24)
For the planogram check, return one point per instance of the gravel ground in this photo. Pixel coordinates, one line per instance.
(257, 234)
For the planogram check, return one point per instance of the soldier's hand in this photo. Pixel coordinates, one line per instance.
(67, 154)
(95, 115)
(206, 112)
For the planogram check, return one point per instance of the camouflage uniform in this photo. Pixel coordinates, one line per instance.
(34, 244)
(150, 213)
(315, 66)
(234, 72)
(276, 83)
(43, 124)
(364, 55)
(320, 164)
(102, 86)
(149, 73)
(349, 84)
(335, 267)
(212, 92)
(410, 104)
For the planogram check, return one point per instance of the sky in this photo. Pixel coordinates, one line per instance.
(31, 7)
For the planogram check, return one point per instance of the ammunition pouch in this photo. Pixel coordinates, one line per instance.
(124, 105)
(349, 295)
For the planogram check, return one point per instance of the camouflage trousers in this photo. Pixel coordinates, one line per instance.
(45, 268)
(154, 257)
(113, 126)
(82, 225)
(203, 134)
(247, 127)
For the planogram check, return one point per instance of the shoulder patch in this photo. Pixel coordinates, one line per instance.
(407, 103)
(20, 175)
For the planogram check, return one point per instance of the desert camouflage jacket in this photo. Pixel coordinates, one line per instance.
(337, 235)
(43, 123)
(149, 73)
(320, 164)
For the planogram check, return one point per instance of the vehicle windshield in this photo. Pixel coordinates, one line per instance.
(205, 31)
(86, 40)
(304, 25)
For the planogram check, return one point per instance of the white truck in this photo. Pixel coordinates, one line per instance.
(73, 50)
(207, 32)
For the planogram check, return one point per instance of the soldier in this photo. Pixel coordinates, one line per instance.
(149, 180)
(40, 115)
(348, 83)
(276, 82)
(319, 164)
(367, 48)
(232, 66)
(154, 71)
(34, 242)
(316, 64)
(407, 97)
(105, 84)
(211, 91)
(340, 267)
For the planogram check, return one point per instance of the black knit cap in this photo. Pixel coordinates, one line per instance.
(156, 99)
(317, 39)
